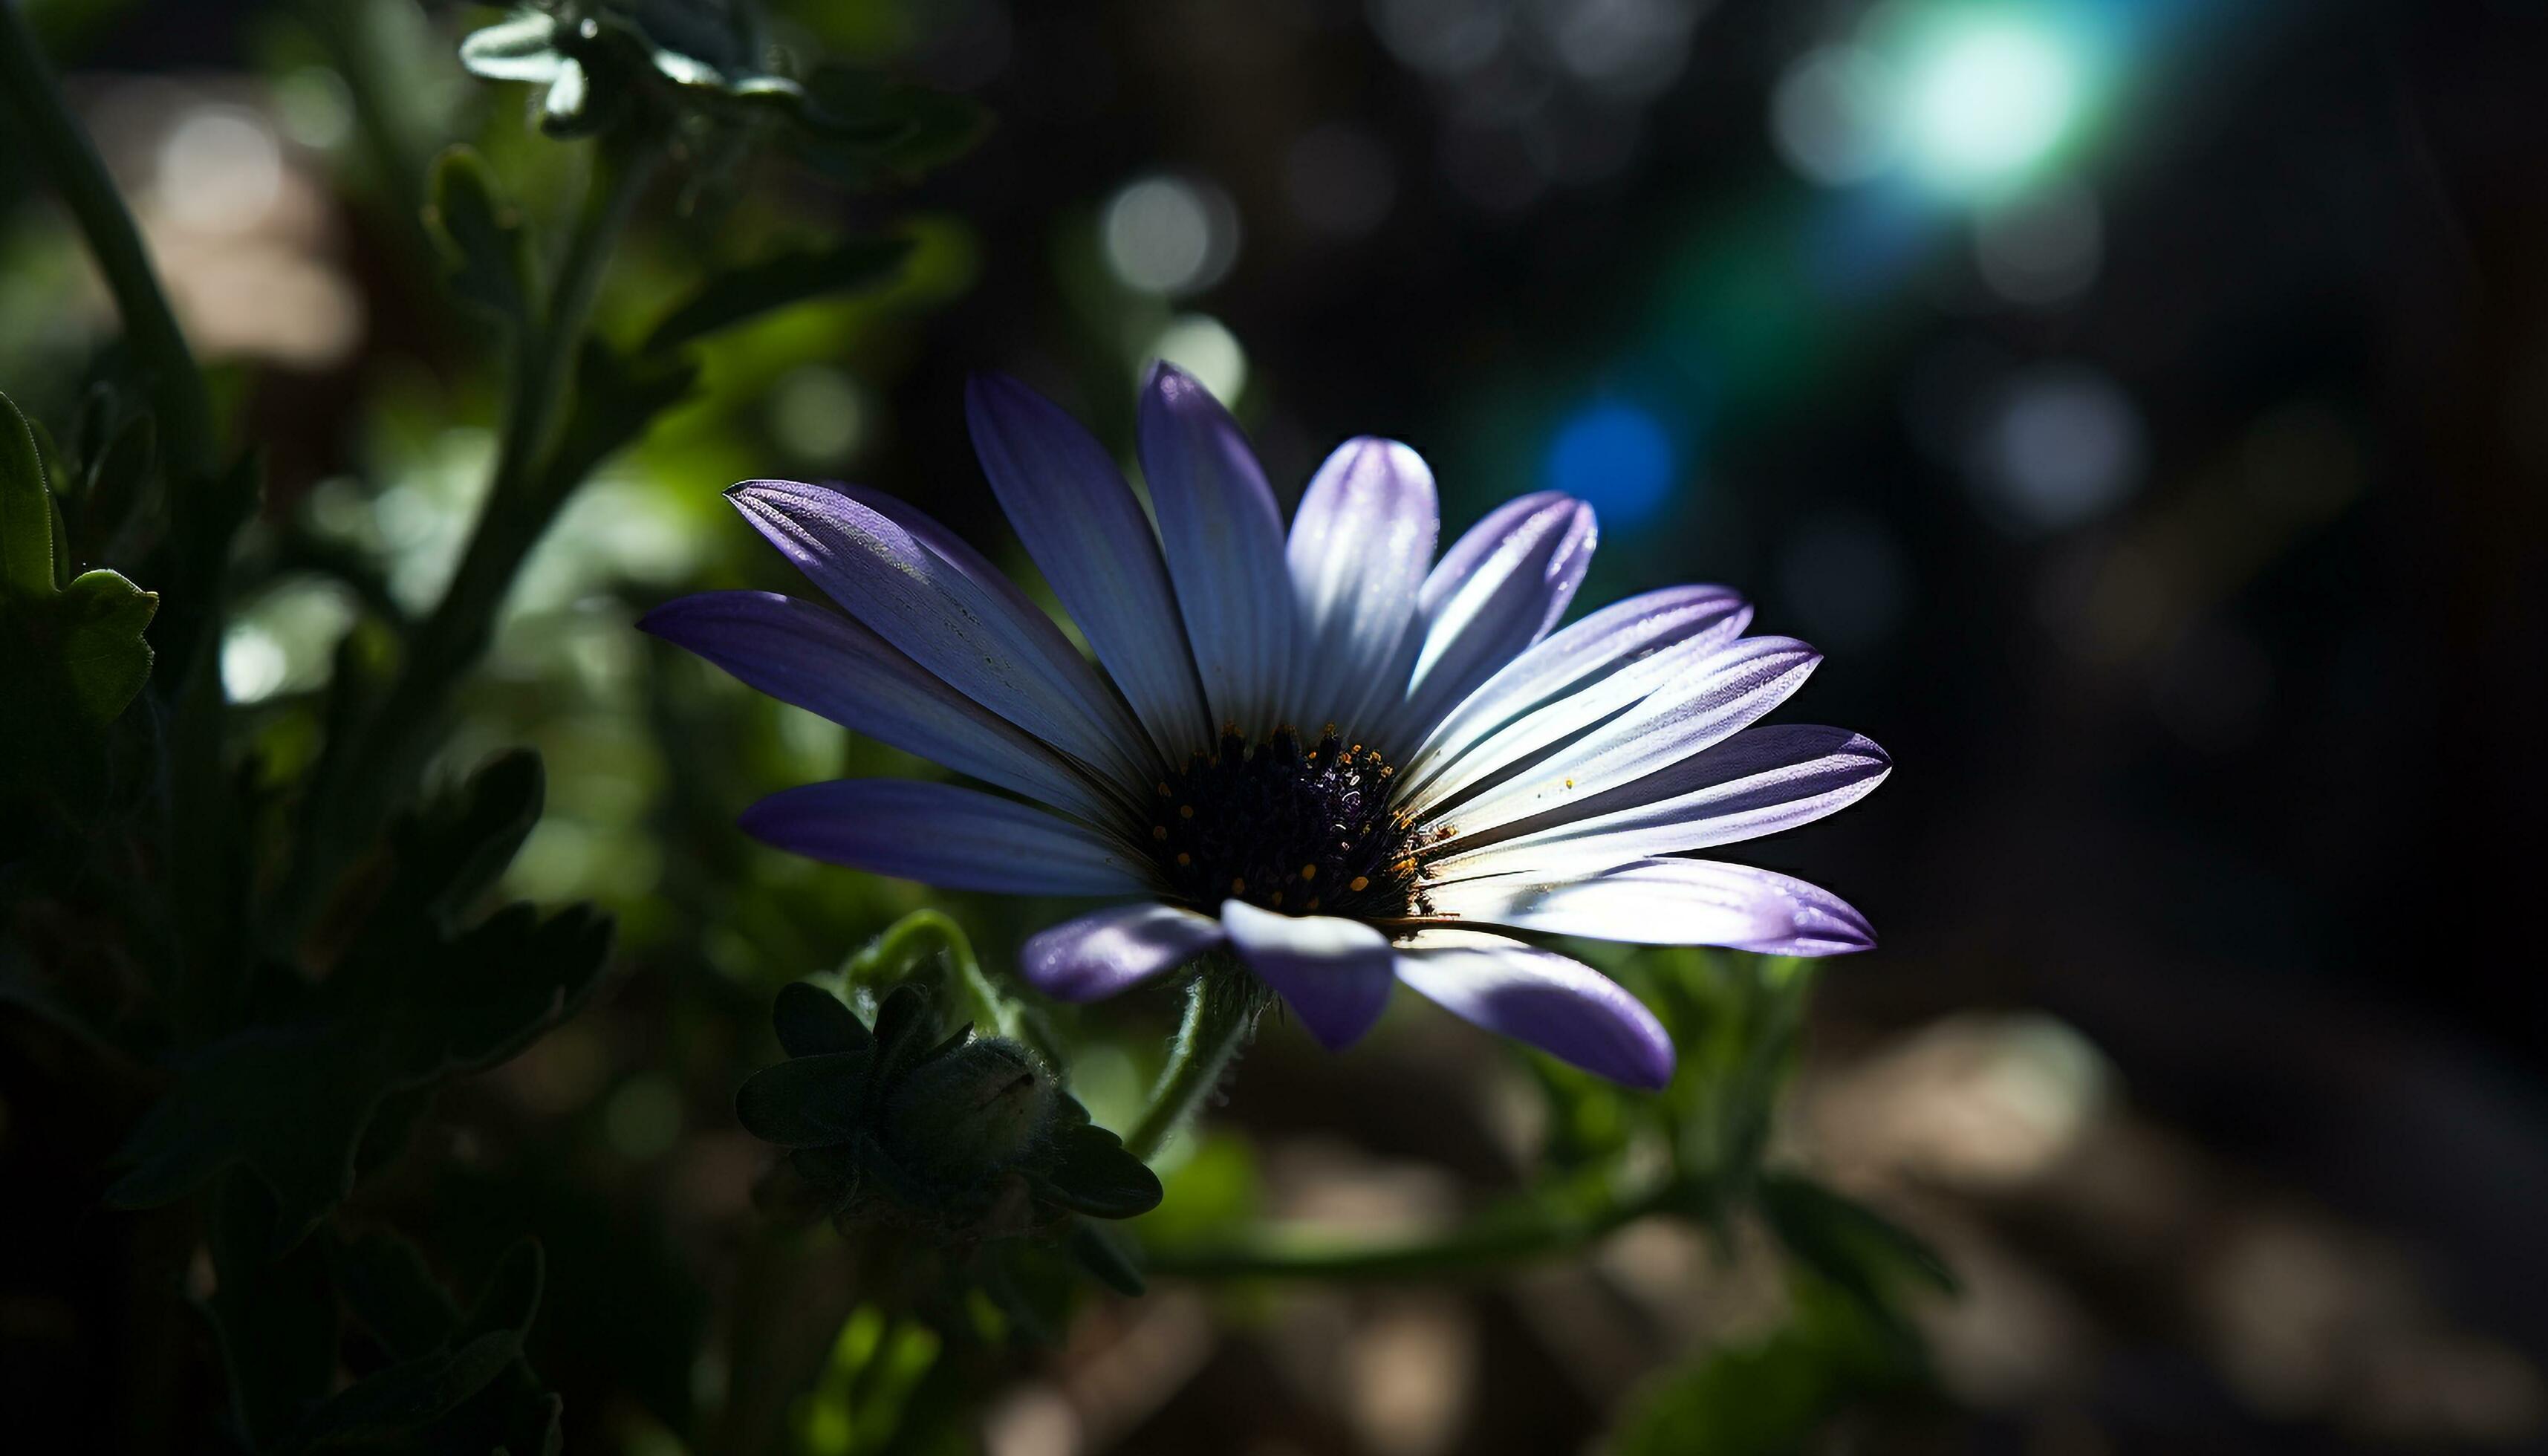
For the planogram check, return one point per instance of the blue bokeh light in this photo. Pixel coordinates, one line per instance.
(1614, 456)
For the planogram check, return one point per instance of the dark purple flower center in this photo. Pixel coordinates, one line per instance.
(1304, 831)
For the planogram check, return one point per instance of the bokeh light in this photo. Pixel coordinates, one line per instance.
(1615, 456)
(220, 170)
(1828, 115)
(1986, 101)
(1170, 235)
(2042, 249)
(2062, 446)
(1204, 347)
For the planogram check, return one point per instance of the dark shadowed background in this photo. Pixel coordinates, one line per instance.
(2143, 405)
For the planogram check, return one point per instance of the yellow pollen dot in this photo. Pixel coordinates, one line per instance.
(1184, 859)
(1185, 811)
(1570, 783)
(1359, 882)
(1278, 898)
(1165, 790)
(1158, 831)
(1309, 871)
(1238, 887)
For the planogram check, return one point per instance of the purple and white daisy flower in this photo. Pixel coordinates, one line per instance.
(1325, 751)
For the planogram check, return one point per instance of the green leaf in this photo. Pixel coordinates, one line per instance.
(519, 48)
(1763, 1399)
(483, 240)
(746, 293)
(273, 1317)
(100, 619)
(25, 509)
(805, 1101)
(1097, 1177)
(1860, 1253)
(1108, 1255)
(386, 1287)
(289, 1102)
(449, 851)
(118, 474)
(411, 1004)
(812, 1021)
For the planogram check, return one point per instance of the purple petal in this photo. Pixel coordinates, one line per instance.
(1667, 903)
(1107, 951)
(823, 661)
(959, 839)
(1705, 704)
(1358, 551)
(1563, 1007)
(937, 599)
(1225, 547)
(1590, 650)
(1334, 973)
(1498, 588)
(1080, 523)
(1756, 782)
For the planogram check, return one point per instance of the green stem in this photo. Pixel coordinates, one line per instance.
(1523, 1233)
(1222, 1003)
(924, 934)
(183, 406)
(521, 502)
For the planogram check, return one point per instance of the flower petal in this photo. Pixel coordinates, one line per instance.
(959, 839)
(1667, 903)
(1335, 973)
(1224, 535)
(1498, 588)
(823, 661)
(1107, 951)
(1703, 705)
(1563, 1007)
(1756, 782)
(937, 599)
(1358, 551)
(1080, 523)
(1589, 652)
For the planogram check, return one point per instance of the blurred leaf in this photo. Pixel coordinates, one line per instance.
(1772, 1396)
(520, 48)
(812, 1022)
(25, 509)
(100, 619)
(746, 293)
(1097, 1177)
(485, 251)
(879, 127)
(120, 471)
(412, 1003)
(273, 1317)
(617, 397)
(458, 1385)
(1106, 1254)
(1859, 1252)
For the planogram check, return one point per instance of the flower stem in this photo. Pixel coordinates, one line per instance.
(181, 404)
(1222, 1003)
(1519, 1233)
(521, 501)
